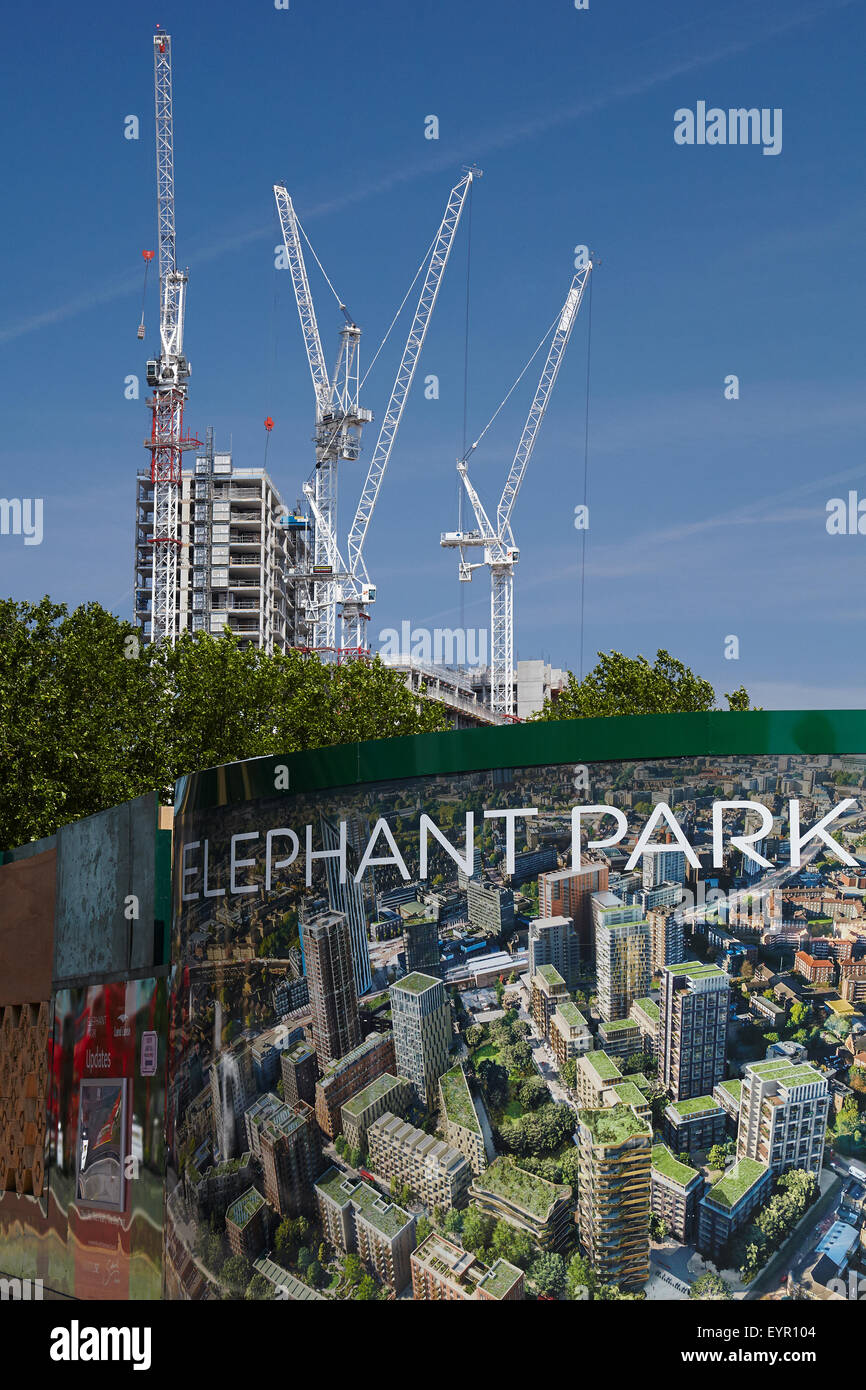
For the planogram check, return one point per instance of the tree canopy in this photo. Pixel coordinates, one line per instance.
(92, 716)
(630, 685)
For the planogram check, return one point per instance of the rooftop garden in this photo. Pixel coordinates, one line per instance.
(457, 1099)
(670, 1167)
(733, 1187)
(604, 1067)
(376, 1089)
(697, 1105)
(649, 1007)
(416, 983)
(614, 1126)
(513, 1184)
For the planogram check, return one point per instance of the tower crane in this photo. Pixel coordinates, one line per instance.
(500, 552)
(168, 374)
(339, 422)
(358, 592)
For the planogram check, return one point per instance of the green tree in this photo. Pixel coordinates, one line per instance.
(259, 1287)
(630, 685)
(366, 1290)
(235, 1274)
(93, 716)
(547, 1273)
(353, 1269)
(580, 1278)
(710, 1286)
(658, 1228)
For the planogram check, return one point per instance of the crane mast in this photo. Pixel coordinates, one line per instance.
(339, 421)
(168, 375)
(358, 592)
(500, 552)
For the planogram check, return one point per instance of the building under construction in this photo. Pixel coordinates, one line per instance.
(217, 549)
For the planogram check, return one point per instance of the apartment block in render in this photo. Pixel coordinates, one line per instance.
(460, 1121)
(620, 1038)
(622, 955)
(387, 1092)
(569, 1033)
(596, 1074)
(693, 1028)
(567, 893)
(350, 1074)
(300, 1072)
(240, 546)
(645, 1013)
(246, 1224)
(693, 1124)
(614, 1183)
(330, 971)
(727, 1094)
(783, 1115)
(675, 1191)
(491, 908)
(421, 1019)
(437, 1173)
(813, 968)
(547, 992)
(291, 1149)
(421, 937)
(443, 1272)
(667, 937)
(357, 1218)
(544, 1210)
(730, 1203)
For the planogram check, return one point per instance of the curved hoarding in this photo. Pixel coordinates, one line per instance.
(569, 867)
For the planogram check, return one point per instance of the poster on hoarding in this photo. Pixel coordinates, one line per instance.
(540, 913)
(101, 1150)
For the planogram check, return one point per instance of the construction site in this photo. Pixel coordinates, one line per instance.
(220, 549)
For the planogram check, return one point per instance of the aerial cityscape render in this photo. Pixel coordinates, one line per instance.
(471, 1076)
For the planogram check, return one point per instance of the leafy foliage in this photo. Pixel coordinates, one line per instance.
(630, 685)
(91, 716)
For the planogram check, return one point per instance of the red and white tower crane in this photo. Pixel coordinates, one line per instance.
(169, 373)
(500, 552)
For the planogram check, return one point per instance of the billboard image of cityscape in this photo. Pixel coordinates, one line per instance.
(538, 1032)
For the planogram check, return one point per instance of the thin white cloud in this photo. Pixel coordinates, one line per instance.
(480, 144)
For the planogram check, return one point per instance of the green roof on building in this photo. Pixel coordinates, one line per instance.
(416, 983)
(629, 1094)
(642, 1082)
(571, 1014)
(550, 975)
(614, 1126)
(698, 1105)
(382, 1086)
(604, 1067)
(526, 1191)
(341, 1064)
(344, 1189)
(649, 1007)
(243, 1208)
(670, 1167)
(457, 1099)
(739, 1180)
(695, 970)
(500, 1278)
(734, 1088)
(788, 1072)
(620, 1025)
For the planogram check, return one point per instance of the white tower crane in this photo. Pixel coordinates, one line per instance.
(358, 592)
(339, 421)
(169, 373)
(500, 552)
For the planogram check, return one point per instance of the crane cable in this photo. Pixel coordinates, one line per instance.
(515, 383)
(585, 481)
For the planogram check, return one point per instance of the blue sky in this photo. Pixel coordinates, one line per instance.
(707, 516)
